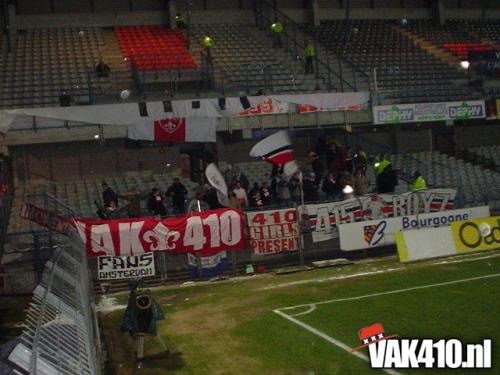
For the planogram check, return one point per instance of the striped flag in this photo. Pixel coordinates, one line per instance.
(277, 149)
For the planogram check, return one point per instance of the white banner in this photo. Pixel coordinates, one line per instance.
(373, 233)
(129, 113)
(273, 232)
(324, 217)
(421, 112)
(125, 267)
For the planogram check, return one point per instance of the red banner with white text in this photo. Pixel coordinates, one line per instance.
(273, 232)
(207, 233)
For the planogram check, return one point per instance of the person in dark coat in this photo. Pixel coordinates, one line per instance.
(142, 312)
(155, 203)
(317, 167)
(108, 195)
(134, 198)
(265, 194)
(387, 180)
(310, 189)
(108, 212)
(178, 193)
(331, 187)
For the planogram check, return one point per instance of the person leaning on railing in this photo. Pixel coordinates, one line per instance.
(208, 44)
(277, 29)
(309, 54)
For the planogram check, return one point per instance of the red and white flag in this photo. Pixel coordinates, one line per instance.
(277, 149)
(180, 129)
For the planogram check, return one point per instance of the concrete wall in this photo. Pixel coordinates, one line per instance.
(67, 160)
(106, 19)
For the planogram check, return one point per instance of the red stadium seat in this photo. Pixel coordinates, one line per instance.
(154, 47)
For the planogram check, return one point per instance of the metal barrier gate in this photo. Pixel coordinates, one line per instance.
(61, 334)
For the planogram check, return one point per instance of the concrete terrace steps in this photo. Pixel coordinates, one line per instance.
(430, 47)
(111, 52)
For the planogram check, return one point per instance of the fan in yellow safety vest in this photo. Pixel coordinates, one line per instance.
(208, 42)
(277, 29)
(381, 165)
(309, 53)
(418, 183)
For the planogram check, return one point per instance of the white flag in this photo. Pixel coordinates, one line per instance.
(216, 179)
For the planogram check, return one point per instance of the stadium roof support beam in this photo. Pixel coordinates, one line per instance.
(483, 16)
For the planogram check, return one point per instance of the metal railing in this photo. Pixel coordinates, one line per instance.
(33, 243)
(337, 70)
(61, 335)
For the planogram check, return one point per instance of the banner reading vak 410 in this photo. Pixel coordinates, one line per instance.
(420, 112)
(207, 232)
(273, 232)
(324, 217)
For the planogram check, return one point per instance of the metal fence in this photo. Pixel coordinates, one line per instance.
(61, 335)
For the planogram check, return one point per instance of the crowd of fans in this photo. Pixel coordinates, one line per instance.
(332, 173)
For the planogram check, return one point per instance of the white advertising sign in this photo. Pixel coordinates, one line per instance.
(373, 233)
(124, 267)
(421, 112)
(425, 243)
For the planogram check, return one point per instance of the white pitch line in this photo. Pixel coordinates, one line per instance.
(331, 278)
(311, 308)
(340, 344)
(472, 257)
(330, 339)
(393, 291)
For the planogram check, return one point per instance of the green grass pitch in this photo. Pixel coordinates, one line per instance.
(233, 327)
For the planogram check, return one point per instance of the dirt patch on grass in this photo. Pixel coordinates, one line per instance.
(210, 327)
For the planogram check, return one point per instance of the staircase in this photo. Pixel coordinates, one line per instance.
(429, 47)
(334, 73)
(112, 55)
(110, 52)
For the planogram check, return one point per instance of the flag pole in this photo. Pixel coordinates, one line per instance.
(198, 257)
(301, 185)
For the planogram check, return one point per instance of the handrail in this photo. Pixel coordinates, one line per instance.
(307, 32)
(270, 9)
(340, 56)
(404, 155)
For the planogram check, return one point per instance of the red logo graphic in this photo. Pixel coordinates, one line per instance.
(369, 231)
(170, 125)
(371, 335)
(170, 129)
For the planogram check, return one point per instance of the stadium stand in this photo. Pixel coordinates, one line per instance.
(154, 47)
(44, 62)
(479, 185)
(401, 66)
(488, 153)
(440, 170)
(490, 30)
(453, 36)
(242, 52)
